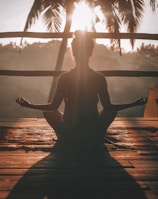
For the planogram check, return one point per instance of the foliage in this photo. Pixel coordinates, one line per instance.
(116, 12)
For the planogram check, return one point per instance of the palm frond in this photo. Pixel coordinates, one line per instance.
(34, 13)
(112, 20)
(131, 12)
(52, 18)
(153, 4)
(51, 14)
(47, 19)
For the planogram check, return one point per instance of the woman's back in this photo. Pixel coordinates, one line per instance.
(81, 95)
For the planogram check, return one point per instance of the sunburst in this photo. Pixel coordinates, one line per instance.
(83, 17)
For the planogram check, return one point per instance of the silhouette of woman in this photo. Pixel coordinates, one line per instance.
(81, 89)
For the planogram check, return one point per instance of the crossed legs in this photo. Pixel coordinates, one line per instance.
(106, 118)
(54, 119)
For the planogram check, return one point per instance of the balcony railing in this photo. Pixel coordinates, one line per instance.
(123, 73)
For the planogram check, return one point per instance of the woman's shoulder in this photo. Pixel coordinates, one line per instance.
(65, 74)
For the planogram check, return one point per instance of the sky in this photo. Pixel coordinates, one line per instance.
(13, 16)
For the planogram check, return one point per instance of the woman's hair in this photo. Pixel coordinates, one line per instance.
(82, 43)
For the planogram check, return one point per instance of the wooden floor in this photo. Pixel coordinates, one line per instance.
(126, 168)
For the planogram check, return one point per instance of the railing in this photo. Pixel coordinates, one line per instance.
(123, 73)
(69, 35)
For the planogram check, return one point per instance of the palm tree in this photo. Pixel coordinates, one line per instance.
(52, 16)
(116, 12)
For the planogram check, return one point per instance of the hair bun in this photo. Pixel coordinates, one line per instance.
(82, 42)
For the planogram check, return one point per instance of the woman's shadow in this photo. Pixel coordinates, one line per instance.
(71, 172)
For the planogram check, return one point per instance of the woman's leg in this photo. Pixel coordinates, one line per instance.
(54, 119)
(106, 118)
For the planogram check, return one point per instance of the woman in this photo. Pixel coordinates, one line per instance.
(81, 89)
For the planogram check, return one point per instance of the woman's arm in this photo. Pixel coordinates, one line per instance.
(43, 107)
(105, 99)
(58, 97)
(120, 107)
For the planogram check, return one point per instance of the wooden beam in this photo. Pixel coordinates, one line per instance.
(46, 35)
(121, 73)
(29, 73)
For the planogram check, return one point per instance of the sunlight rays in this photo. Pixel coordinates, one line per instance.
(83, 17)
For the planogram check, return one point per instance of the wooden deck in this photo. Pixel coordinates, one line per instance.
(30, 168)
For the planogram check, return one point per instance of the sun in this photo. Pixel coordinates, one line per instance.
(83, 17)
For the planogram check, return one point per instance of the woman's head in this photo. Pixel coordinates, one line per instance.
(82, 44)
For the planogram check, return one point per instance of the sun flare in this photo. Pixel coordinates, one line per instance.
(83, 17)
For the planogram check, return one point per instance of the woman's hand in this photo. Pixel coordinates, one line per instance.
(22, 102)
(141, 101)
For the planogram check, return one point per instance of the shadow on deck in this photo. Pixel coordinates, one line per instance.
(126, 167)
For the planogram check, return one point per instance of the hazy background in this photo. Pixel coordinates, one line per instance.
(42, 56)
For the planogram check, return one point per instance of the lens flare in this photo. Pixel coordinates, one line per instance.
(83, 17)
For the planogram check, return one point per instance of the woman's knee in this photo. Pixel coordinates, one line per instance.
(53, 118)
(56, 115)
(107, 114)
(107, 117)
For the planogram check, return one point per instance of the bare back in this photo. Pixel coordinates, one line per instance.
(80, 93)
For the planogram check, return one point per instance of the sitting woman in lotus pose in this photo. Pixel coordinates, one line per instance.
(81, 89)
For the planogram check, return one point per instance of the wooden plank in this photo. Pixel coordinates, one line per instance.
(47, 35)
(107, 73)
(119, 173)
(24, 122)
